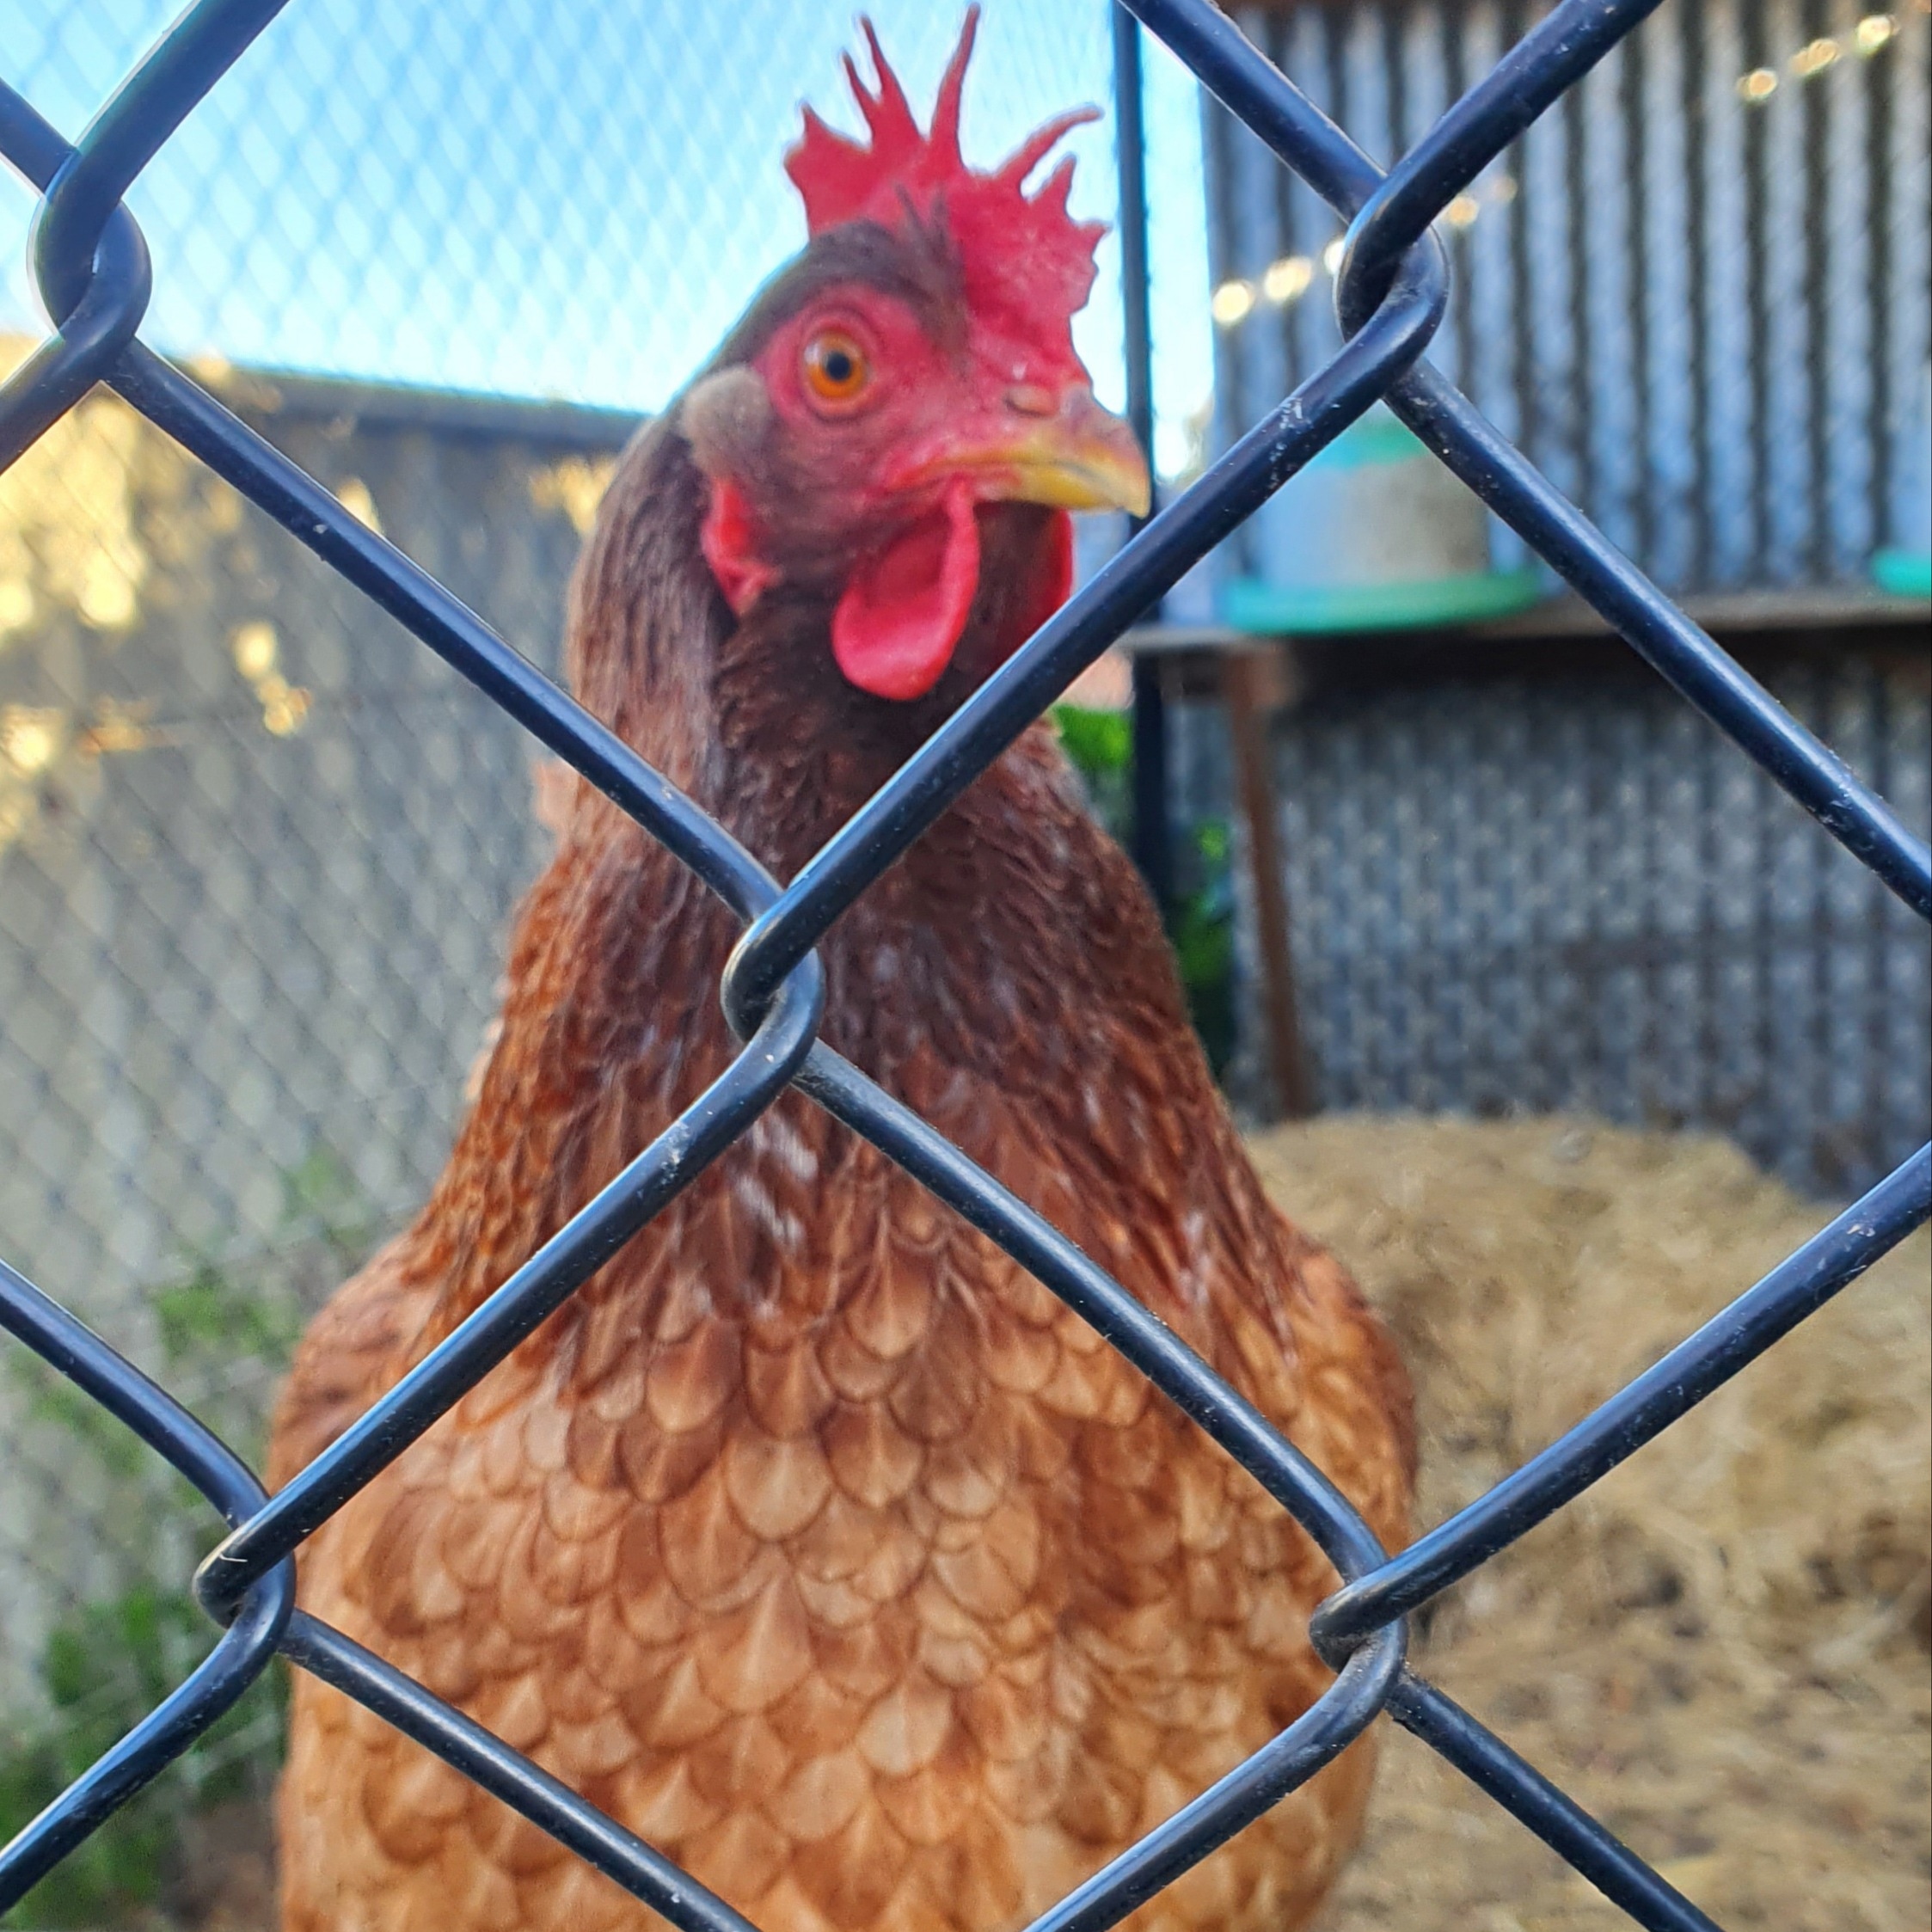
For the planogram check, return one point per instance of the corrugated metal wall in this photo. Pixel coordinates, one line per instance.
(1695, 292)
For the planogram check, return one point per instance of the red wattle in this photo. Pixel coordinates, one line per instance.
(725, 537)
(1053, 585)
(894, 630)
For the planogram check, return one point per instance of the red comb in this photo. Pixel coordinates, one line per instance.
(1020, 253)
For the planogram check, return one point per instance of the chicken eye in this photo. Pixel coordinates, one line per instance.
(836, 368)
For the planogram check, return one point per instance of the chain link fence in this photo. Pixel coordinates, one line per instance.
(258, 859)
(263, 796)
(257, 850)
(518, 200)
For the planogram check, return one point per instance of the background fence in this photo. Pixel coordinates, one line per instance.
(508, 199)
(1523, 880)
(177, 665)
(262, 848)
(257, 858)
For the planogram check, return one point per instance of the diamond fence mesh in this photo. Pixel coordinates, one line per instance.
(386, 740)
(257, 849)
(530, 209)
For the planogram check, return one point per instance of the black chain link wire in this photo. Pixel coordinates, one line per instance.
(95, 277)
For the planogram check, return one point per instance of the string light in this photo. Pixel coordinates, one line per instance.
(1871, 33)
(1282, 282)
(1287, 280)
(1232, 301)
(29, 738)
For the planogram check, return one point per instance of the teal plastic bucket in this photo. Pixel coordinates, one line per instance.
(1374, 534)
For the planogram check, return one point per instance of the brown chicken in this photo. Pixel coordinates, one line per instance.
(813, 1540)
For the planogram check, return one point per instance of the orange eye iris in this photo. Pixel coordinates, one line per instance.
(836, 368)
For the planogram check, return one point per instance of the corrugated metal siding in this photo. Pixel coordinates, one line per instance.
(1706, 319)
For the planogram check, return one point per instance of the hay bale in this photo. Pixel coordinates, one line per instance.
(1721, 1649)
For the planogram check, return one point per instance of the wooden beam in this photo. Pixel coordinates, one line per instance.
(1252, 684)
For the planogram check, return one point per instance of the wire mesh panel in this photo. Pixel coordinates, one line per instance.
(258, 854)
(260, 841)
(1529, 886)
(95, 273)
(395, 192)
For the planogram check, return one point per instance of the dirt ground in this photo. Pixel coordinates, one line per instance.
(1721, 1650)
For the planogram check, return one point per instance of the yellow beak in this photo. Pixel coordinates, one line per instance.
(1074, 456)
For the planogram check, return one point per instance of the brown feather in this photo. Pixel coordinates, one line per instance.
(813, 1538)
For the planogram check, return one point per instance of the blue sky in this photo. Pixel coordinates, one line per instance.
(561, 199)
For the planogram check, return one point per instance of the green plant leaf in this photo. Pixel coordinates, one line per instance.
(1100, 744)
